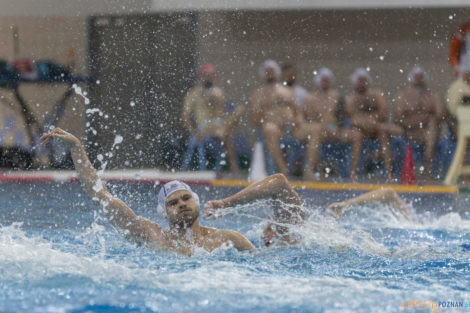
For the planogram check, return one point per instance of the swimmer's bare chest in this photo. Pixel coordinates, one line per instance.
(210, 240)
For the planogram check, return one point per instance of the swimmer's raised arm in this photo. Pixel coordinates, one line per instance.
(139, 228)
(384, 195)
(273, 187)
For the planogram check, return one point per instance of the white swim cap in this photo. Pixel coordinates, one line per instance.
(358, 73)
(172, 187)
(417, 70)
(322, 73)
(269, 64)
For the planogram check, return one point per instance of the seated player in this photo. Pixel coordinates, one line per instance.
(368, 113)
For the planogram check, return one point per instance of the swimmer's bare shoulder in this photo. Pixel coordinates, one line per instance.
(135, 227)
(221, 236)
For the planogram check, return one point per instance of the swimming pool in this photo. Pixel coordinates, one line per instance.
(59, 254)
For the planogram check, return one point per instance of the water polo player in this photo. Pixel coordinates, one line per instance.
(180, 202)
(287, 206)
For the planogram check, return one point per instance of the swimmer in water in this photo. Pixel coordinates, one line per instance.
(181, 204)
(287, 207)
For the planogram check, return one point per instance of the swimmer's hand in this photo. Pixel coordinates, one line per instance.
(335, 210)
(210, 210)
(60, 134)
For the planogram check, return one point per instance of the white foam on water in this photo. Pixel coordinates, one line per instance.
(382, 215)
(450, 222)
(318, 229)
(328, 232)
(207, 279)
(34, 259)
(354, 229)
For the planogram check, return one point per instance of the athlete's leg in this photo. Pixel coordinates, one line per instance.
(273, 134)
(312, 134)
(355, 138)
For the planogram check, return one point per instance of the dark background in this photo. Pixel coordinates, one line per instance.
(149, 60)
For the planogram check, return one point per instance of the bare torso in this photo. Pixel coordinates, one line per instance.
(208, 239)
(273, 103)
(367, 111)
(207, 107)
(321, 107)
(416, 107)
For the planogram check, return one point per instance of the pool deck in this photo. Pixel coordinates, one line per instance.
(209, 178)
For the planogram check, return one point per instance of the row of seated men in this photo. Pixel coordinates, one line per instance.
(286, 116)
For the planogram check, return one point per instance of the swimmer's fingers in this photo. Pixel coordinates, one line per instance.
(210, 210)
(59, 134)
(45, 138)
(209, 215)
(335, 210)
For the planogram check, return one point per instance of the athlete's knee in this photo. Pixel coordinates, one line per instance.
(270, 129)
(356, 137)
(316, 128)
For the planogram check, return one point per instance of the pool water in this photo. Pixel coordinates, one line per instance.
(59, 254)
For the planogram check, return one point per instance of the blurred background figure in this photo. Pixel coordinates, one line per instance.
(272, 108)
(369, 113)
(321, 107)
(419, 110)
(280, 122)
(203, 116)
(289, 79)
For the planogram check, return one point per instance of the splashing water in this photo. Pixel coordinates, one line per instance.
(78, 90)
(117, 140)
(59, 254)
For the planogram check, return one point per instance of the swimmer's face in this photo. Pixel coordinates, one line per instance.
(181, 208)
(325, 83)
(208, 78)
(418, 79)
(270, 74)
(362, 83)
